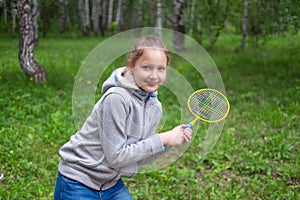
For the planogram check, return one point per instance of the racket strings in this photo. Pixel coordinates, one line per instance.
(208, 105)
(207, 111)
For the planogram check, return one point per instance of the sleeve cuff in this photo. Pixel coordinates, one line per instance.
(166, 148)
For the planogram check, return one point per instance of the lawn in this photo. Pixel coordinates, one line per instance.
(256, 157)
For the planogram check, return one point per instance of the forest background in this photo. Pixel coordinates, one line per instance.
(255, 44)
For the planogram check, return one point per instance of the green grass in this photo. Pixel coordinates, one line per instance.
(257, 156)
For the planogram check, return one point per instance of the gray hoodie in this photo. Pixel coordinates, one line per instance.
(119, 135)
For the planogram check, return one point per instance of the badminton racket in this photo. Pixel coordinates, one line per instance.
(208, 105)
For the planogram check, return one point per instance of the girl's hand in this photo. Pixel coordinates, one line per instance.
(178, 136)
(187, 133)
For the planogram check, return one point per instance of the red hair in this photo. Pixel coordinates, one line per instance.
(146, 42)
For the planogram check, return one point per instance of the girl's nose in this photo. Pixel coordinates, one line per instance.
(154, 74)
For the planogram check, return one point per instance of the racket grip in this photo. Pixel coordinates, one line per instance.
(190, 125)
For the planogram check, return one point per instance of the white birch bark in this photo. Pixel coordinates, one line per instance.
(192, 18)
(35, 15)
(110, 14)
(26, 43)
(140, 13)
(83, 8)
(95, 16)
(87, 15)
(158, 29)
(178, 25)
(81, 14)
(14, 13)
(5, 14)
(118, 14)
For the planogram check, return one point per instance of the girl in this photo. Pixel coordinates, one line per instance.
(120, 133)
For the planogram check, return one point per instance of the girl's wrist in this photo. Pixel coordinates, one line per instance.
(164, 138)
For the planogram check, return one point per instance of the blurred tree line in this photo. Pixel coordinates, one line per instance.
(202, 20)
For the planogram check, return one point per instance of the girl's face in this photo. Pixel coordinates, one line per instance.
(150, 70)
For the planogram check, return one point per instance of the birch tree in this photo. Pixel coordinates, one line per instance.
(118, 14)
(140, 14)
(159, 18)
(4, 13)
(14, 12)
(103, 16)
(192, 17)
(35, 15)
(244, 25)
(95, 16)
(84, 15)
(26, 44)
(110, 14)
(199, 31)
(178, 25)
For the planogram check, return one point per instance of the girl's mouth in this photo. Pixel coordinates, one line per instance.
(152, 83)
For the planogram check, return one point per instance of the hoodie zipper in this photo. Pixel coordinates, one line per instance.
(144, 119)
(144, 114)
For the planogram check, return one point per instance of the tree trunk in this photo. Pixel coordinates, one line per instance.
(140, 14)
(118, 14)
(26, 44)
(84, 16)
(87, 15)
(192, 18)
(63, 16)
(35, 14)
(95, 16)
(153, 14)
(110, 14)
(14, 13)
(158, 18)
(103, 16)
(13, 33)
(199, 31)
(5, 14)
(244, 25)
(178, 25)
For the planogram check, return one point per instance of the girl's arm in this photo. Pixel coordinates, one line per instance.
(118, 151)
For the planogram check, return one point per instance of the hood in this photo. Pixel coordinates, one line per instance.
(119, 79)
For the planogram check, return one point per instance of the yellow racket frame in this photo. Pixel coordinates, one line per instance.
(199, 118)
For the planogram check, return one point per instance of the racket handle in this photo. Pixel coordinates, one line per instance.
(191, 124)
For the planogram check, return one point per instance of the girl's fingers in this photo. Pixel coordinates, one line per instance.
(187, 138)
(187, 134)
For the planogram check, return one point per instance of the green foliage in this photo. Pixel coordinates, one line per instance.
(256, 157)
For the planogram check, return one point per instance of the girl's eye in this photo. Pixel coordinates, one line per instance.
(161, 68)
(146, 67)
(149, 67)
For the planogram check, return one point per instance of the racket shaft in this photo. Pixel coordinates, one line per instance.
(192, 123)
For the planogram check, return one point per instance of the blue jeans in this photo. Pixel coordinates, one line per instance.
(67, 189)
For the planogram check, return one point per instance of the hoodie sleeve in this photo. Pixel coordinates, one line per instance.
(112, 113)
